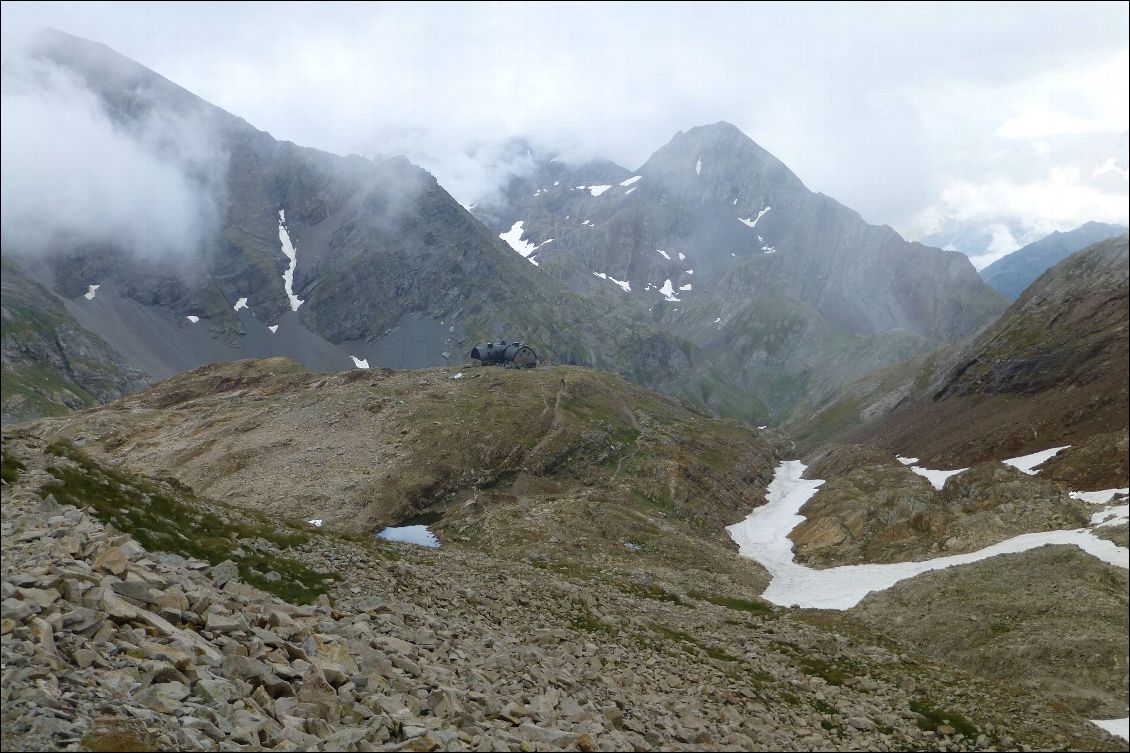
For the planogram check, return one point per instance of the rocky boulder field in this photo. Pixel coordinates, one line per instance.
(240, 633)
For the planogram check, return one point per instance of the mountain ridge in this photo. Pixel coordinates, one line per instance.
(1012, 274)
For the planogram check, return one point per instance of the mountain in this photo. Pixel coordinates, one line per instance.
(787, 292)
(1051, 371)
(1015, 272)
(387, 268)
(711, 274)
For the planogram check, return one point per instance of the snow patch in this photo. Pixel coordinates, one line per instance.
(193, 319)
(598, 190)
(622, 283)
(905, 460)
(937, 478)
(718, 320)
(682, 256)
(630, 190)
(630, 180)
(457, 375)
(316, 522)
(668, 291)
(768, 250)
(290, 253)
(89, 294)
(1116, 727)
(1100, 497)
(360, 363)
(763, 536)
(698, 167)
(274, 328)
(419, 535)
(240, 304)
(663, 254)
(1111, 516)
(513, 238)
(751, 222)
(685, 287)
(1026, 463)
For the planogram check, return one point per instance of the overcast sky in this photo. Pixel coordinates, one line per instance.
(1010, 119)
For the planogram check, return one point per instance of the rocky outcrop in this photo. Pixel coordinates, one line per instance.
(874, 509)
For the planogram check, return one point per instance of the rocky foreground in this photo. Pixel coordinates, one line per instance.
(110, 646)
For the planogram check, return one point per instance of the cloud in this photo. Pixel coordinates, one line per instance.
(72, 175)
(1001, 244)
(886, 109)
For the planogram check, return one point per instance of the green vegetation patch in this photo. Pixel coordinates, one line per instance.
(679, 636)
(742, 605)
(655, 593)
(933, 718)
(111, 734)
(589, 623)
(161, 522)
(833, 672)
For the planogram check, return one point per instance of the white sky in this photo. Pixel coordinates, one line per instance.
(1008, 120)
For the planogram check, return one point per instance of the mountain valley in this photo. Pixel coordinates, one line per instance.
(780, 479)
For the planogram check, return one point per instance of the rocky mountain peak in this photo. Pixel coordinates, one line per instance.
(722, 162)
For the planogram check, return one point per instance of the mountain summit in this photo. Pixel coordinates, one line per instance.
(785, 290)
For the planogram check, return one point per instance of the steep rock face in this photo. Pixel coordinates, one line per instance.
(862, 278)
(787, 292)
(1015, 272)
